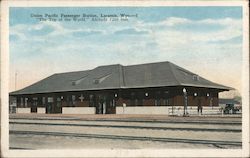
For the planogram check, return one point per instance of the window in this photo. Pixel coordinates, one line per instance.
(113, 103)
(73, 99)
(50, 100)
(91, 100)
(26, 102)
(196, 78)
(44, 101)
(96, 81)
(157, 102)
(157, 98)
(58, 101)
(166, 101)
(21, 104)
(35, 101)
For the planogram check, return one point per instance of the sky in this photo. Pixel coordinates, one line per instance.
(204, 40)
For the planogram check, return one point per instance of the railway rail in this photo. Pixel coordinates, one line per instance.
(217, 122)
(129, 127)
(216, 143)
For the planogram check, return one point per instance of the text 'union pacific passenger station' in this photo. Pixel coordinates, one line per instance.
(116, 89)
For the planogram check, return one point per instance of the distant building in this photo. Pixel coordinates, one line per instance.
(112, 89)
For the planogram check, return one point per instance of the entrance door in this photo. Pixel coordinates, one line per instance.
(110, 106)
(100, 104)
(58, 106)
(105, 104)
(49, 108)
(49, 105)
(34, 105)
(54, 106)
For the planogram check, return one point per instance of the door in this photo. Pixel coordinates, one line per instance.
(100, 104)
(105, 104)
(110, 106)
(58, 106)
(34, 105)
(49, 108)
(49, 105)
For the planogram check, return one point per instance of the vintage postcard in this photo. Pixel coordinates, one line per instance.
(124, 79)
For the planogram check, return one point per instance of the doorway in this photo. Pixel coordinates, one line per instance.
(34, 105)
(104, 104)
(54, 106)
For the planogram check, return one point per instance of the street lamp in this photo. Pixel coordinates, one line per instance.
(185, 101)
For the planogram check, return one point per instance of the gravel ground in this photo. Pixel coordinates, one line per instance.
(110, 129)
(54, 142)
(31, 141)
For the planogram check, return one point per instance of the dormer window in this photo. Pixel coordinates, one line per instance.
(99, 80)
(96, 81)
(196, 78)
(78, 81)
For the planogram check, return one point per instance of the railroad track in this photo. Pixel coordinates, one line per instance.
(219, 122)
(129, 127)
(216, 143)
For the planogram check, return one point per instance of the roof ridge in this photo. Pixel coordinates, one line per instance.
(121, 76)
(147, 63)
(171, 68)
(73, 71)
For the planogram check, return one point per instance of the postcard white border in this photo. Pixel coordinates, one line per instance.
(244, 152)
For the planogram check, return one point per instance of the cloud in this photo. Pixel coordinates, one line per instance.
(41, 30)
(208, 44)
(14, 37)
(196, 30)
(234, 40)
(131, 31)
(82, 33)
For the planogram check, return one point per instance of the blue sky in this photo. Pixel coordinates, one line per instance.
(205, 40)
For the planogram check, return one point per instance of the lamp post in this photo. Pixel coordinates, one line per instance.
(185, 101)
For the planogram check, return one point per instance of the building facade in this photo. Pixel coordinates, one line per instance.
(115, 89)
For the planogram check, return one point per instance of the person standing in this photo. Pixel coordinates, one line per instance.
(199, 107)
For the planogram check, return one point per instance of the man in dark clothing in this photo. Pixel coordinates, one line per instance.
(199, 107)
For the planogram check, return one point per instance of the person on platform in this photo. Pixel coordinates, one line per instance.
(199, 107)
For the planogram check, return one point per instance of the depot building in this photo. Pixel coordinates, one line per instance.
(152, 88)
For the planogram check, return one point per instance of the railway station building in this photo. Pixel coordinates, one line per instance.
(152, 88)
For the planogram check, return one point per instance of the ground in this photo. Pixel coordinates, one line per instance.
(47, 131)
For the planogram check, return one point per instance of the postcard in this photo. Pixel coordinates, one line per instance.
(124, 79)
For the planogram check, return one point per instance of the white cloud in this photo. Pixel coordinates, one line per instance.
(59, 50)
(196, 30)
(173, 21)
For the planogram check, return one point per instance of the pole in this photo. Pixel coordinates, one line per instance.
(185, 101)
(15, 80)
